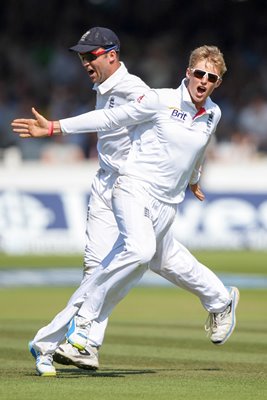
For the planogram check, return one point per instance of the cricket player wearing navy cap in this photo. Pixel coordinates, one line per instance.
(174, 127)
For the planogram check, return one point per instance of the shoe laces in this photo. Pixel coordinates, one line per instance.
(82, 323)
(216, 319)
(92, 350)
(45, 359)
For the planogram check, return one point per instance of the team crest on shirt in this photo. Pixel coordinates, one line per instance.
(209, 123)
(210, 119)
(178, 114)
(111, 102)
(146, 212)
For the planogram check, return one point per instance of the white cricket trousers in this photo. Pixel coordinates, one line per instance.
(146, 231)
(101, 235)
(172, 260)
(142, 221)
(145, 222)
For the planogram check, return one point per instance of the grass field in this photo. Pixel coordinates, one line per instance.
(223, 261)
(155, 348)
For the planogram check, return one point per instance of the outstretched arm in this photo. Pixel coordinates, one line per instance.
(132, 113)
(39, 127)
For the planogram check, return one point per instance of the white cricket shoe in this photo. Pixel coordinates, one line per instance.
(220, 326)
(78, 332)
(44, 365)
(66, 354)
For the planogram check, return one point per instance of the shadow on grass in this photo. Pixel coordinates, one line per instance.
(73, 373)
(76, 373)
(106, 373)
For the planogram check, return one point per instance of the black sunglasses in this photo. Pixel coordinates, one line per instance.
(89, 57)
(200, 73)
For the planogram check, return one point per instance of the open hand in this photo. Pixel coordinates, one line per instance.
(27, 128)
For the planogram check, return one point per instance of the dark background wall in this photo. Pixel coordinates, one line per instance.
(156, 37)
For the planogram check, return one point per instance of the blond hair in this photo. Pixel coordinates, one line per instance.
(211, 54)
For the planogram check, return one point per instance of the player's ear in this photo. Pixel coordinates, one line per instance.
(219, 81)
(187, 73)
(112, 55)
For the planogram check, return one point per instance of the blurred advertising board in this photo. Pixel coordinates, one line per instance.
(43, 210)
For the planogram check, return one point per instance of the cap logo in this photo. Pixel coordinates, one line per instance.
(84, 36)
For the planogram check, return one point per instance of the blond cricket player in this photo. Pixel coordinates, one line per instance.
(173, 130)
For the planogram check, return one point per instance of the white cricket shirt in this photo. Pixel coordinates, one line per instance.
(113, 145)
(170, 141)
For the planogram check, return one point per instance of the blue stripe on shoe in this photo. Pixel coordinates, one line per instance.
(71, 328)
(33, 352)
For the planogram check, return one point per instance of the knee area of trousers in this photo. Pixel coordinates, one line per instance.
(143, 253)
(91, 259)
(155, 267)
(88, 271)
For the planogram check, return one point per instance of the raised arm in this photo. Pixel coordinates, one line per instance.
(132, 113)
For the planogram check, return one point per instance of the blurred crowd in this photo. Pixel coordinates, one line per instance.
(37, 69)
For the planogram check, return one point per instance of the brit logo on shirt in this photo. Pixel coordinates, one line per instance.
(178, 114)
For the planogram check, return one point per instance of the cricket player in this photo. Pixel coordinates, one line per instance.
(166, 155)
(98, 50)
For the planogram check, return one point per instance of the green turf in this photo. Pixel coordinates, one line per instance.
(155, 348)
(223, 261)
(41, 261)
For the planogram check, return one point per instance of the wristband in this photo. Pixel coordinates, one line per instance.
(50, 128)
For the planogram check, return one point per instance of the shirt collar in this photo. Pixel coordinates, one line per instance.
(115, 78)
(187, 98)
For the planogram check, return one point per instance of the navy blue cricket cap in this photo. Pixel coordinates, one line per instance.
(96, 37)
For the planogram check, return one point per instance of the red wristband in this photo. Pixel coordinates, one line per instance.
(50, 128)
